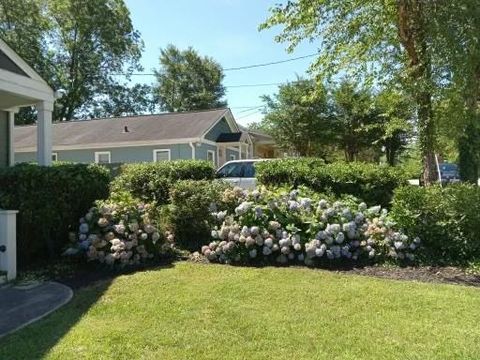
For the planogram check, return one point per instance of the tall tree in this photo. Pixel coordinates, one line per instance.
(297, 117)
(374, 40)
(457, 46)
(187, 81)
(395, 115)
(76, 45)
(356, 120)
(123, 100)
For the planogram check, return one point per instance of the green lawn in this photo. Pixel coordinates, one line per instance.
(198, 311)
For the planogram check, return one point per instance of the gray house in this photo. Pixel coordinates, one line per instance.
(21, 86)
(211, 135)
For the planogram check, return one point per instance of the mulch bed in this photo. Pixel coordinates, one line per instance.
(430, 274)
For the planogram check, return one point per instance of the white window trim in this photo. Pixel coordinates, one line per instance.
(99, 153)
(214, 156)
(156, 151)
(54, 156)
(233, 157)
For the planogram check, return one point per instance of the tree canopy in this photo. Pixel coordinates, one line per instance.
(76, 45)
(187, 81)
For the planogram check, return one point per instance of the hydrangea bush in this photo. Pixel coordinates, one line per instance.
(121, 232)
(290, 228)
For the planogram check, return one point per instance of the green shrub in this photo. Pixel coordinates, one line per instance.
(446, 219)
(374, 184)
(189, 215)
(152, 181)
(50, 200)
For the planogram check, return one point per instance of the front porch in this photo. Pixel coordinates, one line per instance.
(21, 86)
(234, 146)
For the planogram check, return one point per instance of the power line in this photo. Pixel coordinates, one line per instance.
(269, 63)
(251, 85)
(245, 67)
(245, 116)
(252, 108)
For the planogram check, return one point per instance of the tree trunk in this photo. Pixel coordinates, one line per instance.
(412, 30)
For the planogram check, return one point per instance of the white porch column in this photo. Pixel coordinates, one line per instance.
(240, 151)
(11, 148)
(44, 133)
(8, 243)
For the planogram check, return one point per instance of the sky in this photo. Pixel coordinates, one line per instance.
(226, 30)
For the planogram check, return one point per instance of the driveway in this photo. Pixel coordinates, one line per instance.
(20, 306)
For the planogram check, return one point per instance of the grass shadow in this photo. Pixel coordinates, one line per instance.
(40, 337)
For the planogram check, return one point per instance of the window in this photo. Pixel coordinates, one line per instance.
(211, 156)
(231, 170)
(102, 157)
(54, 156)
(161, 155)
(233, 157)
(249, 170)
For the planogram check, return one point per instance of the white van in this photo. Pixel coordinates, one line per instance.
(239, 173)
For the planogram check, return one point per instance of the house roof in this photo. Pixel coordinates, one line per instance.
(123, 130)
(258, 136)
(229, 137)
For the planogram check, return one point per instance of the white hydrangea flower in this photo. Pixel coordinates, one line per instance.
(323, 204)
(285, 250)
(83, 228)
(340, 238)
(266, 251)
(319, 252)
(119, 228)
(269, 242)
(254, 230)
(250, 242)
(297, 246)
(149, 229)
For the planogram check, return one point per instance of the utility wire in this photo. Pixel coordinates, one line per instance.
(245, 116)
(238, 67)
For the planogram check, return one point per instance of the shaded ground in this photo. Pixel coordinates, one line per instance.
(22, 306)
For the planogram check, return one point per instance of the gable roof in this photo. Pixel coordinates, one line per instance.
(18, 65)
(123, 131)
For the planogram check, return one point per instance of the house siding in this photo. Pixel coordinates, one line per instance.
(4, 139)
(131, 154)
(232, 152)
(219, 128)
(202, 150)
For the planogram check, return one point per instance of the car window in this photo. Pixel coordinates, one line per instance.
(231, 170)
(249, 170)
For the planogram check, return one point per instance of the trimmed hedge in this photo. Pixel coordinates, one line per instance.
(374, 184)
(446, 219)
(189, 216)
(152, 181)
(50, 200)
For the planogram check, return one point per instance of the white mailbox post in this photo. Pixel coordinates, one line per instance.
(8, 243)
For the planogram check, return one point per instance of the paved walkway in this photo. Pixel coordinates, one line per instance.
(22, 306)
